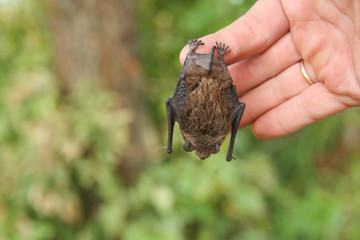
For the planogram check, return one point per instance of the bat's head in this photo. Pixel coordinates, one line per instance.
(203, 145)
(203, 150)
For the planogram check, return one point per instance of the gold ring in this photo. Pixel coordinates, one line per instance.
(304, 73)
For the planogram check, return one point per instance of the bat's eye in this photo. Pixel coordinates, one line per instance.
(215, 148)
(188, 146)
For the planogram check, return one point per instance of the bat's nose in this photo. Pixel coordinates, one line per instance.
(203, 155)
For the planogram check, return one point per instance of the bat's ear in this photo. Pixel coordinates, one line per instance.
(188, 146)
(215, 148)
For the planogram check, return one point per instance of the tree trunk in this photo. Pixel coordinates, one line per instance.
(94, 40)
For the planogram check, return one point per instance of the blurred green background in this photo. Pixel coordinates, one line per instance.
(67, 157)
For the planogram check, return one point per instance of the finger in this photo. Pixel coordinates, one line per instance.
(311, 105)
(272, 93)
(251, 72)
(249, 35)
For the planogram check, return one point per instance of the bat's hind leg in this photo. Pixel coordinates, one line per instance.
(194, 44)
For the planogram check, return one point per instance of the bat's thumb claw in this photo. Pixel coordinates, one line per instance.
(230, 158)
(169, 150)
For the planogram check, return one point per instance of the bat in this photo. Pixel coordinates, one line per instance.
(204, 103)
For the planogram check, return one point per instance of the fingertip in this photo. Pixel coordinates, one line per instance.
(183, 54)
(264, 131)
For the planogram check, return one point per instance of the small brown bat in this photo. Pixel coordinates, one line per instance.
(204, 103)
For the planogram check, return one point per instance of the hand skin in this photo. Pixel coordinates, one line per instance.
(267, 44)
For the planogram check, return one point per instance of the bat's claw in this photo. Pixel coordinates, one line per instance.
(230, 158)
(169, 149)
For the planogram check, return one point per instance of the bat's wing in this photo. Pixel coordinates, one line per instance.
(237, 108)
(237, 115)
(171, 117)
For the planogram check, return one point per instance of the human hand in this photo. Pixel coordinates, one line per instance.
(267, 45)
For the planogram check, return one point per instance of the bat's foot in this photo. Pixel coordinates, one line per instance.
(194, 44)
(222, 48)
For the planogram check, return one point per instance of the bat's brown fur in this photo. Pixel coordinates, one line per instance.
(205, 119)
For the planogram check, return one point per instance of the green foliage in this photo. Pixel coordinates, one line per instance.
(58, 160)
